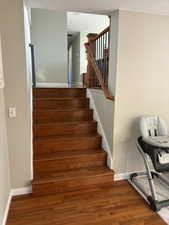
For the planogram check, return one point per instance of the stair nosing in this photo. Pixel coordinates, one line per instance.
(62, 99)
(106, 172)
(67, 88)
(72, 108)
(68, 137)
(67, 122)
(65, 110)
(76, 155)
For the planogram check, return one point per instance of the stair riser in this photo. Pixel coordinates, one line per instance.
(61, 104)
(72, 185)
(62, 116)
(46, 146)
(67, 164)
(59, 92)
(60, 129)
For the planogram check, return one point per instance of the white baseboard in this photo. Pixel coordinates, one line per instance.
(121, 176)
(101, 130)
(21, 191)
(124, 176)
(51, 85)
(7, 208)
(15, 192)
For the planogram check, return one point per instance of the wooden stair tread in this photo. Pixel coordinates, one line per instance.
(56, 88)
(52, 115)
(76, 99)
(66, 123)
(66, 137)
(62, 143)
(58, 92)
(60, 99)
(61, 103)
(67, 154)
(66, 128)
(63, 110)
(71, 175)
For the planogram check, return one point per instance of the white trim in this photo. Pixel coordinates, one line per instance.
(121, 176)
(7, 208)
(14, 192)
(21, 191)
(105, 143)
(51, 85)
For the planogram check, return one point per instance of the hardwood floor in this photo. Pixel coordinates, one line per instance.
(118, 204)
(72, 184)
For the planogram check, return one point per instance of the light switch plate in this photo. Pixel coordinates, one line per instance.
(12, 112)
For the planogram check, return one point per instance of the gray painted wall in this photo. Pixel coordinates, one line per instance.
(76, 59)
(49, 36)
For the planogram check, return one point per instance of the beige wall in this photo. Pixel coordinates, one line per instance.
(4, 161)
(4, 158)
(142, 82)
(114, 30)
(49, 36)
(83, 56)
(16, 91)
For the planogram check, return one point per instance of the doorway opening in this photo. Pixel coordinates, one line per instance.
(79, 25)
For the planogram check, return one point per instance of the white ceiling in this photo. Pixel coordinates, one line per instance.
(105, 6)
(79, 22)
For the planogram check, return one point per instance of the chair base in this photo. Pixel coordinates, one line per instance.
(154, 204)
(150, 175)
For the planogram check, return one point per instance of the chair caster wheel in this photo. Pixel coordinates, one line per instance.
(133, 175)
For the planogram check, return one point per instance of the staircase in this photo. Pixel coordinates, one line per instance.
(67, 148)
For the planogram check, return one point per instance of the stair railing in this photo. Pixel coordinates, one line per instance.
(97, 50)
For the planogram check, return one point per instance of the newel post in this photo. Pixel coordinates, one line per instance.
(90, 76)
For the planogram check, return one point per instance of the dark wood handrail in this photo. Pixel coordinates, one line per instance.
(97, 71)
(102, 33)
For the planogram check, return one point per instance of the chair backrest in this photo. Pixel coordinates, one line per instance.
(152, 126)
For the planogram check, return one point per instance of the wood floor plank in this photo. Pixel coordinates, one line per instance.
(116, 205)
